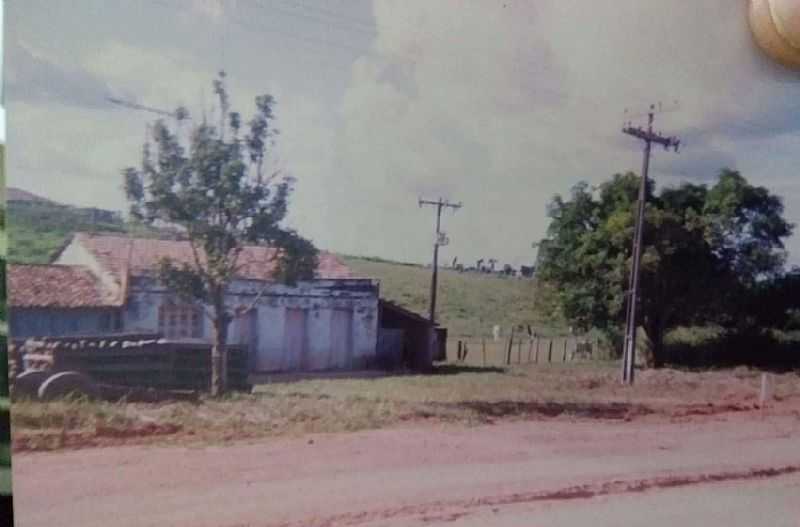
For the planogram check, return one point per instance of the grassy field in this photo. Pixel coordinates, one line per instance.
(469, 304)
(453, 394)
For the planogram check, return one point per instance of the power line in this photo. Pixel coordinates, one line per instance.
(137, 106)
(222, 37)
(633, 113)
(259, 29)
(365, 23)
(329, 44)
(327, 20)
(318, 42)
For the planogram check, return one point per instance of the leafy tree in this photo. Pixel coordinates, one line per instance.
(216, 191)
(746, 228)
(705, 250)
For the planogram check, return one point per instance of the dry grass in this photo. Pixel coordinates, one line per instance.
(455, 394)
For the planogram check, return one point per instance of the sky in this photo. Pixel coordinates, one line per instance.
(498, 104)
(2, 102)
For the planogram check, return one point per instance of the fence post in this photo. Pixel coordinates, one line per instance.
(530, 348)
(550, 351)
(483, 347)
(536, 358)
(519, 351)
(566, 343)
(510, 346)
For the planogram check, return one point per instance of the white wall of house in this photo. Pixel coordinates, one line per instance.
(316, 325)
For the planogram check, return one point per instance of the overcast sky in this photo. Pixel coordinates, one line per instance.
(2, 103)
(498, 104)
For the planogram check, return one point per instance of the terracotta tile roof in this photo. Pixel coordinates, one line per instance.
(141, 256)
(63, 286)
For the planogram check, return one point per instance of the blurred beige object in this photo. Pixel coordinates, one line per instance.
(776, 27)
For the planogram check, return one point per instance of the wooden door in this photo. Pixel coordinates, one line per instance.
(247, 329)
(295, 340)
(341, 339)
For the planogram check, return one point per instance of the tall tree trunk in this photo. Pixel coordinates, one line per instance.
(219, 351)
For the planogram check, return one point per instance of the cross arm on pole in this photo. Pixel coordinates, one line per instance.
(652, 137)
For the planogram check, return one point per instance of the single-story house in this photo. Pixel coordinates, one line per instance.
(103, 284)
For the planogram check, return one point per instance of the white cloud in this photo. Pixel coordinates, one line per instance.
(503, 104)
(213, 10)
(496, 104)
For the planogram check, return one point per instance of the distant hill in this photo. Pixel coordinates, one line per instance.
(17, 194)
(23, 198)
(38, 227)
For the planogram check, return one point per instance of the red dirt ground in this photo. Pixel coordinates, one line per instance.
(411, 475)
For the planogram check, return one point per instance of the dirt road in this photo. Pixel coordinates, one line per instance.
(771, 502)
(418, 476)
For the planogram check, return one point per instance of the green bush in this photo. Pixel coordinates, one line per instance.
(699, 347)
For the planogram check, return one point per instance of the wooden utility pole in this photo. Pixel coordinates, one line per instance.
(439, 240)
(649, 137)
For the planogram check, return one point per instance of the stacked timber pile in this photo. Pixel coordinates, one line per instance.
(137, 361)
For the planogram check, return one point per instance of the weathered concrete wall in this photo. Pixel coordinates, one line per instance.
(325, 306)
(28, 322)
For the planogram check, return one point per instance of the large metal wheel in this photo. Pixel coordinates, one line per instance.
(65, 384)
(26, 385)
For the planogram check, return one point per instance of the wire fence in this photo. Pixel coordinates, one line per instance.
(525, 349)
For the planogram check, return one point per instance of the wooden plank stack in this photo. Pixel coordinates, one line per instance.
(144, 361)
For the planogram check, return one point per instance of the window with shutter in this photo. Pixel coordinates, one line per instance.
(179, 321)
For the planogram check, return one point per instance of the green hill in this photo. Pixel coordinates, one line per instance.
(36, 232)
(468, 304)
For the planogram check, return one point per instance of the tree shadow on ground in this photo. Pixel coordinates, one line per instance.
(491, 410)
(455, 369)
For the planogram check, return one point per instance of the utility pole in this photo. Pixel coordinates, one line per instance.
(440, 239)
(649, 137)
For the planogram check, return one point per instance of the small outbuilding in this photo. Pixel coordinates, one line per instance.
(405, 337)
